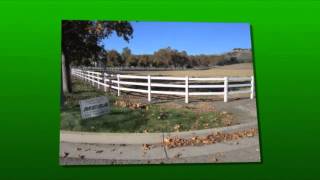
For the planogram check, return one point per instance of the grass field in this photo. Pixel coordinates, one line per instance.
(151, 118)
(243, 69)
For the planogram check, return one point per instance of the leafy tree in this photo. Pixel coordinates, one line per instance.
(181, 59)
(82, 40)
(167, 57)
(132, 61)
(143, 61)
(163, 57)
(114, 59)
(126, 55)
(103, 58)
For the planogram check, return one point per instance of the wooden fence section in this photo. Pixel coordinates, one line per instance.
(181, 86)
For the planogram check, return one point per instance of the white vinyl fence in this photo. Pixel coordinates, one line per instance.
(181, 86)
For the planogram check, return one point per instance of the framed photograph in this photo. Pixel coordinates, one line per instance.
(157, 93)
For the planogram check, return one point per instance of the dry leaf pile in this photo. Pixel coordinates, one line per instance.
(172, 142)
(130, 105)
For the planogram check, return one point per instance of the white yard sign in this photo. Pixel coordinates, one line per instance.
(94, 107)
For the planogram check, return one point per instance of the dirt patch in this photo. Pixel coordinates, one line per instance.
(243, 69)
(200, 107)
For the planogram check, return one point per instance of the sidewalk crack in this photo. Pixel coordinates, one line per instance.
(164, 147)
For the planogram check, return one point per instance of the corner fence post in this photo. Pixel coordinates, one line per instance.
(252, 87)
(149, 88)
(225, 98)
(187, 90)
(118, 80)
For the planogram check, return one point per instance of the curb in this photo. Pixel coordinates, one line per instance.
(204, 132)
(142, 138)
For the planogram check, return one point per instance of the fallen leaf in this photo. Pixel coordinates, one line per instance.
(177, 155)
(250, 134)
(65, 154)
(146, 147)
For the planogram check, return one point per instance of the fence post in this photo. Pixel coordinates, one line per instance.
(118, 80)
(104, 81)
(149, 88)
(252, 87)
(109, 82)
(92, 78)
(98, 79)
(187, 90)
(225, 99)
(87, 77)
(81, 73)
(84, 76)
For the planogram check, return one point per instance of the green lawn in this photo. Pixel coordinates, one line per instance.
(155, 118)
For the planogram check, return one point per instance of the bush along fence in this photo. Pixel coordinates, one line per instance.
(181, 86)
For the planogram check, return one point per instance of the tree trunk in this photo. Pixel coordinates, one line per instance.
(66, 75)
(66, 86)
(62, 98)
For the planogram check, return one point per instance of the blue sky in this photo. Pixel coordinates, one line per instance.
(194, 38)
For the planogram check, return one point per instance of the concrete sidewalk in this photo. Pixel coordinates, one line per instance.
(135, 154)
(127, 148)
(142, 138)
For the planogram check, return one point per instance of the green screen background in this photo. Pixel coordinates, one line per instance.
(286, 52)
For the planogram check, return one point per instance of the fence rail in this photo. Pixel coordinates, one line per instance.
(181, 86)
